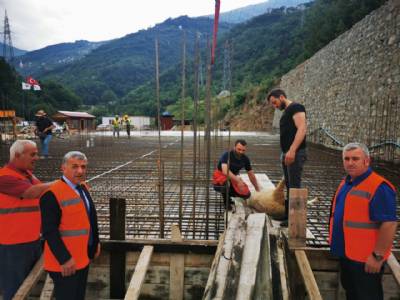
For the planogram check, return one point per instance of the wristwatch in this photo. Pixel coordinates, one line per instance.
(378, 257)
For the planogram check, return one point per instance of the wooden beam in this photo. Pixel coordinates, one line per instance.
(213, 271)
(308, 276)
(177, 268)
(395, 267)
(117, 257)
(139, 275)
(220, 281)
(162, 246)
(297, 217)
(30, 281)
(251, 256)
(48, 289)
(282, 274)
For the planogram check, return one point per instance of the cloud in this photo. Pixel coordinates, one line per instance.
(38, 23)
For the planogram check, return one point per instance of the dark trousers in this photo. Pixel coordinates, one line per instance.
(358, 284)
(16, 261)
(231, 193)
(292, 174)
(70, 287)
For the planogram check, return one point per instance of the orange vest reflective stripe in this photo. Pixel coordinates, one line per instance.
(19, 218)
(74, 227)
(360, 233)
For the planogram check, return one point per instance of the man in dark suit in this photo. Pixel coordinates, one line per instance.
(70, 230)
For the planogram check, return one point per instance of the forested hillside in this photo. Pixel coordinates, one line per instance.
(51, 98)
(264, 49)
(17, 52)
(113, 69)
(39, 62)
(245, 13)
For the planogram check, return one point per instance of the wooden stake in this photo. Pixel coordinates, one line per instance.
(297, 217)
(177, 268)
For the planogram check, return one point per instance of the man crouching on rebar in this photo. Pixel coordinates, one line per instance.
(70, 230)
(236, 159)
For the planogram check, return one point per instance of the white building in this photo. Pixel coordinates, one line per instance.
(138, 122)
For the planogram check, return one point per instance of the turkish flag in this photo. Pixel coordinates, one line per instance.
(32, 81)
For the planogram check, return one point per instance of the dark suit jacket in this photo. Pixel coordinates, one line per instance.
(51, 218)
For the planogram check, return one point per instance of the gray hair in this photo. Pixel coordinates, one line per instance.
(19, 146)
(353, 146)
(74, 154)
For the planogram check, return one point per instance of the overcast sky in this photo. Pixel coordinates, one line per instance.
(38, 23)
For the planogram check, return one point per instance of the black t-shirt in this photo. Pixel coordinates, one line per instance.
(236, 163)
(288, 128)
(42, 123)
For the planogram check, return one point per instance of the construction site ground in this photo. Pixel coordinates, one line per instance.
(129, 169)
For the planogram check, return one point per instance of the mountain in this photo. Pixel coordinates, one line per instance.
(243, 14)
(267, 45)
(51, 57)
(123, 64)
(17, 52)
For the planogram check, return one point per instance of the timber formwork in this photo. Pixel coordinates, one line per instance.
(128, 169)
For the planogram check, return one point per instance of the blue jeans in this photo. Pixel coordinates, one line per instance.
(292, 174)
(45, 144)
(16, 261)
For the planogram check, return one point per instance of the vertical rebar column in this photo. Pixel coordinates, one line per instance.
(182, 128)
(227, 199)
(160, 186)
(207, 137)
(195, 107)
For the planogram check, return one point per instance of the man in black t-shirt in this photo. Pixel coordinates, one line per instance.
(293, 127)
(44, 126)
(237, 160)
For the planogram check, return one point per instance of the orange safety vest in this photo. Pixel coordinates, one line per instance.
(74, 228)
(360, 233)
(19, 218)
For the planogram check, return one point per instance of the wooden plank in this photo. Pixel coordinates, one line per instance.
(177, 268)
(308, 276)
(225, 261)
(251, 256)
(232, 276)
(117, 257)
(139, 275)
(213, 269)
(162, 245)
(30, 281)
(283, 274)
(395, 268)
(48, 289)
(263, 181)
(297, 217)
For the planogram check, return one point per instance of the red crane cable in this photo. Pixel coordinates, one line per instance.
(216, 19)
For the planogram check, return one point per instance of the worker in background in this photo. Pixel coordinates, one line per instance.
(44, 127)
(20, 247)
(293, 128)
(116, 125)
(65, 128)
(362, 225)
(70, 230)
(235, 187)
(127, 122)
